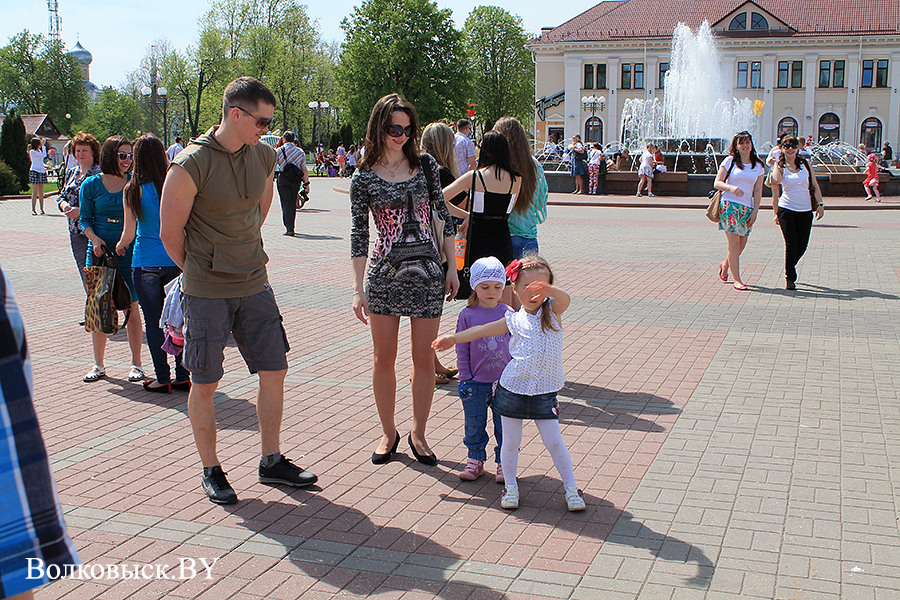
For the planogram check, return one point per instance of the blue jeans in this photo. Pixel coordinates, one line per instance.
(523, 245)
(474, 396)
(149, 282)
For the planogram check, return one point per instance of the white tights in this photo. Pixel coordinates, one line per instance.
(553, 441)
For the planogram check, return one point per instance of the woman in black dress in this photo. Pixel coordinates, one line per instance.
(494, 188)
(404, 276)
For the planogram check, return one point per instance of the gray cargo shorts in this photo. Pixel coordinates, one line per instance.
(255, 322)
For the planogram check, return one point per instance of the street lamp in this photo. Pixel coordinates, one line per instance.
(68, 125)
(155, 93)
(316, 107)
(593, 104)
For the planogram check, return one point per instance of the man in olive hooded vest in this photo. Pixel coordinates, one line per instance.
(217, 194)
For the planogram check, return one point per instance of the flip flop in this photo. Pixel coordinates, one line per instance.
(741, 288)
(722, 274)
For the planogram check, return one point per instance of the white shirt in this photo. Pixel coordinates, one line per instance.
(37, 160)
(774, 155)
(795, 191)
(464, 148)
(173, 151)
(536, 365)
(595, 157)
(290, 153)
(744, 179)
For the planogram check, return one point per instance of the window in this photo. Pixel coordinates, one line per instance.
(638, 76)
(742, 74)
(663, 69)
(588, 77)
(838, 73)
(788, 125)
(867, 73)
(601, 77)
(738, 22)
(797, 74)
(756, 74)
(824, 73)
(870, 134)
(626, 76)
(881, 75)
(758, 22)
(782, 73)
(593, 130)
(829, 128)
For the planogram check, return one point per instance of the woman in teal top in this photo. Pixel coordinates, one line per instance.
(102, 220)
(153, 268)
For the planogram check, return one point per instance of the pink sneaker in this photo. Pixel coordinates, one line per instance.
(499, 477)
(473, 470)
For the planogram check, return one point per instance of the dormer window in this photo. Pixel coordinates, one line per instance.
(739, 22)
(759, 22)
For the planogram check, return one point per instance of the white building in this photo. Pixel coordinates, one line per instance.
(823, 69)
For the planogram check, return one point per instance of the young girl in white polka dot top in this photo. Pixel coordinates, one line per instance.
(531, 380)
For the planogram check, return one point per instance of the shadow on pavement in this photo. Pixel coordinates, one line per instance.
(808, 290)
(412, 561)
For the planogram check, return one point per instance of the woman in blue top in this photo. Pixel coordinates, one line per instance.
(100, 218)
(153, 268)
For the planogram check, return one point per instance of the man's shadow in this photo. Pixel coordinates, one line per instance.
(809, 290)
(422, 565)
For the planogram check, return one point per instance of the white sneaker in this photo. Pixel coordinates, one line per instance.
(573, 499)
(652, 195)
(510, 498)
(638, 194)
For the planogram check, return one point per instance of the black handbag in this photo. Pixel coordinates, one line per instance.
(121, 295)
(292, 172)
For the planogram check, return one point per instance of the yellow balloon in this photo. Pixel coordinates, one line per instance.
(758, 107)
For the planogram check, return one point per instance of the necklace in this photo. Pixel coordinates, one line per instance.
(388, 169)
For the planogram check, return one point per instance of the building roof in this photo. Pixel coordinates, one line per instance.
(42, 126)
(628, 19)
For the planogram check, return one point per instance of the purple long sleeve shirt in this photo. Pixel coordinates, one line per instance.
(482, 360)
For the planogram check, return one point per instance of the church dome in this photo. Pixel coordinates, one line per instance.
(83, 57)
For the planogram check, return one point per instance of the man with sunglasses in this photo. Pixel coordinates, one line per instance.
(217, 194)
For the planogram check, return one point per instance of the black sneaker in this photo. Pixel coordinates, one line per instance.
(286, 472)
(790, 285)
(217, 487)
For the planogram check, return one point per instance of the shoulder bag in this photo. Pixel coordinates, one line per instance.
(293, 173)
(715, 197)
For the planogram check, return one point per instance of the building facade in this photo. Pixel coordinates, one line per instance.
(824, 69)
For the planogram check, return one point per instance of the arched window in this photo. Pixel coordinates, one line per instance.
(739, 22)
(758, 22)
(870, 134)
(829, 128)
(593, 130)
(789, 126)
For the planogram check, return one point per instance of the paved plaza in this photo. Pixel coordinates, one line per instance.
(729, 444)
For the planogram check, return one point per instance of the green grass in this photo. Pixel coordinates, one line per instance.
(48, 188)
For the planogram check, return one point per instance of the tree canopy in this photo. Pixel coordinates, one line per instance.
(500, 64)
(405, 46)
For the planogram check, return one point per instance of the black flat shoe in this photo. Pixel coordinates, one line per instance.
(426, 459)
(790, 285)
(165, 388)
(184, 386)
(380, 459)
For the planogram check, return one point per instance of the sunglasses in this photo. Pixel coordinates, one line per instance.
(396, 130)
(125, 155)
(791, 146)
(261, 122)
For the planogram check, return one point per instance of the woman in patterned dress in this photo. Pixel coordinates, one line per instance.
(404, 276)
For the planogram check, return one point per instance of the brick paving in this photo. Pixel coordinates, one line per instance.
(730, 445)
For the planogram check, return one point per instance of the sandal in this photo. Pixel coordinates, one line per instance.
(740, 287)
(95, 374)
(449, 372)
(136, 374)
(722, 273)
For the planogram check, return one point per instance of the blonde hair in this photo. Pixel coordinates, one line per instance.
(533, 262)
(437, 140)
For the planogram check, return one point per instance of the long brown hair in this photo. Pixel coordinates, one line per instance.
(533, 262)
(736, 154)
(380, 120)
(149, 166)
(521, 160)
(437, 140)
(789, 140)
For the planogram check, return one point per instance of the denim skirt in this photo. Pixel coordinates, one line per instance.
(519, 406)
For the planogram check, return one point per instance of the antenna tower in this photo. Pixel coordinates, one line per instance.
(55, 21)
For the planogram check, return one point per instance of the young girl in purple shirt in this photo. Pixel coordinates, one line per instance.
(480, 363)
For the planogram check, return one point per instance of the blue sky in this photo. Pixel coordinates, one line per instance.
(119, 32)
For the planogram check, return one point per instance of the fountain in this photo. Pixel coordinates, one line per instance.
(696, 121)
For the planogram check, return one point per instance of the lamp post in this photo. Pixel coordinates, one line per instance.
(593, 104)
(155, 92)
(69, 125)
(316, 107)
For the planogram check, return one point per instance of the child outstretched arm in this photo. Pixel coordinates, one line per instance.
(445, 342)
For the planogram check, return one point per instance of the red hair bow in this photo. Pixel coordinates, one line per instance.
(512, 269)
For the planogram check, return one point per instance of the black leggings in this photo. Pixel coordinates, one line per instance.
(287, 192)
(795, 227)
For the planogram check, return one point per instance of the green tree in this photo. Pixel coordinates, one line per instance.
(13, 149)
(21, 73)
(113, 113)
(500, 64)
(404, 46)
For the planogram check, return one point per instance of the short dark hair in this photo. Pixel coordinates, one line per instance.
(109, 162)
(247, 92)
(462, 124)
(288, 136)
(35, 143)
(178, 140)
